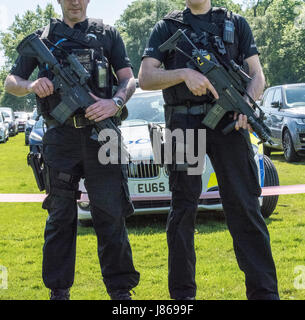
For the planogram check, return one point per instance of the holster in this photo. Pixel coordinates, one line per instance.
(40, 170)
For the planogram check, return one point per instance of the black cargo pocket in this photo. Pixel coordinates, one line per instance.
(128, 208)
(55, 201)
(48, 202)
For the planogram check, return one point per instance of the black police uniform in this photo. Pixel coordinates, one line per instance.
(71, 153)
(232, 159)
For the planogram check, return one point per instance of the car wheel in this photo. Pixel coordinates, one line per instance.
(289, 151)
(267, 150)
(271, 179)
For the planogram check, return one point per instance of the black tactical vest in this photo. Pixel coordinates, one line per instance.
(87, 45)
(180, 94)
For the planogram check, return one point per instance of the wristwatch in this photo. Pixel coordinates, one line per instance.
(119, 102)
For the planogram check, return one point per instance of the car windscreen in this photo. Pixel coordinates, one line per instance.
(146, 106)
(6, 115)
(295, 96)
(22, 116)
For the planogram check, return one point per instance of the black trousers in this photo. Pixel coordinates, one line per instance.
(236, 171)
(71, 154)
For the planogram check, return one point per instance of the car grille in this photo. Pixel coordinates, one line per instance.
(143, 169)
(151, 204)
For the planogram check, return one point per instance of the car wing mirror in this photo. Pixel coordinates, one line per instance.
(276, 104)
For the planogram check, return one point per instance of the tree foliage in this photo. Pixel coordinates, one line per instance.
(278, 27)
(138, 20)
(21, 27)
(279, 30)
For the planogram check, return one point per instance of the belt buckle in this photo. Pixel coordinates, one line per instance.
(75, 123)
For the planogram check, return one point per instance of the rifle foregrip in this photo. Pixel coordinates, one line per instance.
(229, 128)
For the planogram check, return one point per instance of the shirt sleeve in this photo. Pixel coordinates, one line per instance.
(118, 57)
(24, 67)
(247, 45)
(159, 35)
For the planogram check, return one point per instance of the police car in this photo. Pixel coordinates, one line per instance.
(148, 182)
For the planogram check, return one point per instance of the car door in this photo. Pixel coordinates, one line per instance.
(266, 107)
(277, 116)
(3, 125)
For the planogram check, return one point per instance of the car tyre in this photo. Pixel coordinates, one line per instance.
(271, 179)
(289, 151)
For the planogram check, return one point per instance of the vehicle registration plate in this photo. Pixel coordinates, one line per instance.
(151, 187)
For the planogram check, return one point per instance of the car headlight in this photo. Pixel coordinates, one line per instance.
(300, 121)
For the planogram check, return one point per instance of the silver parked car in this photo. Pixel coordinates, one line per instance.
(29, 126)
(21, 118)
(11, 120)
(284, 107)
(148, 182)
(4, 135)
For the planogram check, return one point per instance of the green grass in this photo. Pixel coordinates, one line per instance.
(218, 276)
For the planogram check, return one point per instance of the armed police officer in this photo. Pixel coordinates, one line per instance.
(189, 95)
(70, 150)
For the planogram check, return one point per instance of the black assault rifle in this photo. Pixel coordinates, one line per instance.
(70, 82)
(229, 83)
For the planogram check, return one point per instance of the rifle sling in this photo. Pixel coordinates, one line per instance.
(199, 25)
(77, 36)
(72, 34)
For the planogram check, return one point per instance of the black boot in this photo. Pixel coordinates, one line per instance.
(60, 294)
(120, 295)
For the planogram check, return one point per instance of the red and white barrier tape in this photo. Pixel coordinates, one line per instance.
(266, 191)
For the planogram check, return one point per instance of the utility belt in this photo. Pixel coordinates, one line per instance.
(77, 121)
(195, 110)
